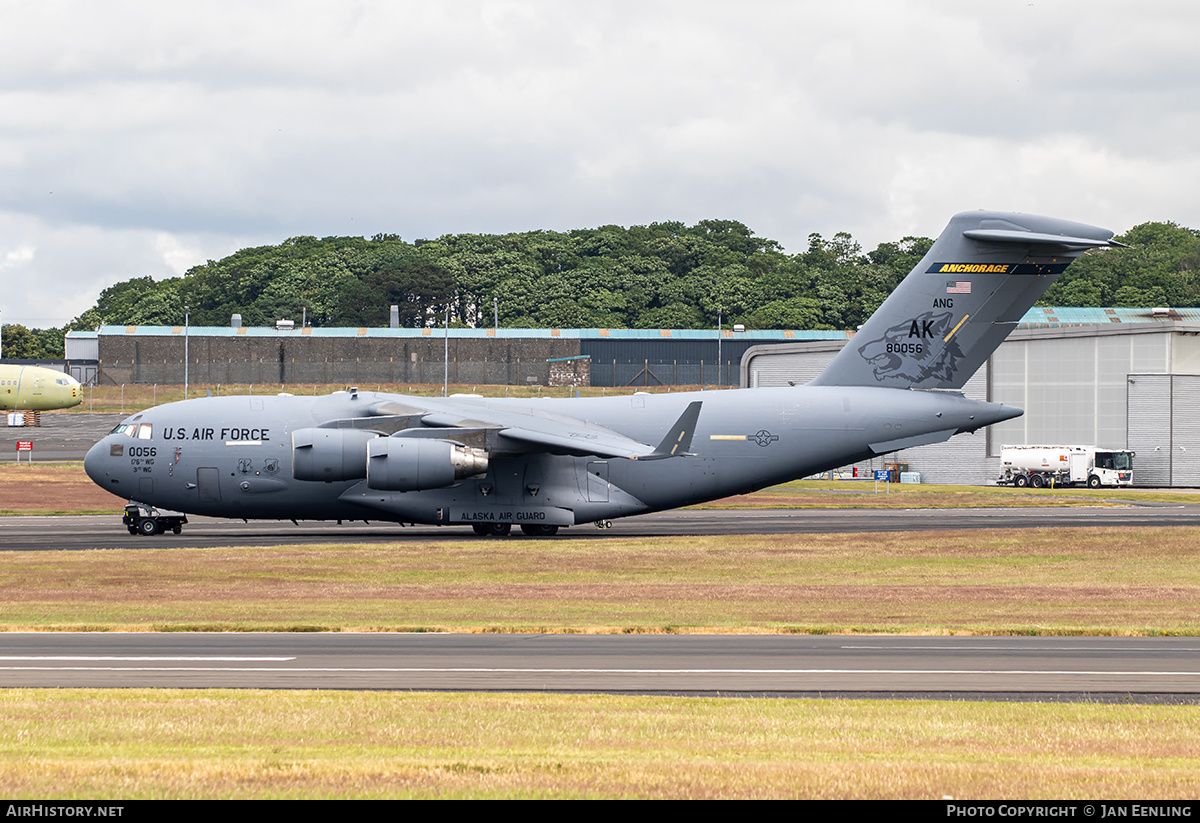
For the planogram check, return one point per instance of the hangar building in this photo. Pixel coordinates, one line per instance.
(1115, 378)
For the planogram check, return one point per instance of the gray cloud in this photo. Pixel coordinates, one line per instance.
(140, 139)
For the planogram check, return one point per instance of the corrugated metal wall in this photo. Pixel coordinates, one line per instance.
(1072, 388)
(1164, 429)
(1106, 390)
(1185, 430)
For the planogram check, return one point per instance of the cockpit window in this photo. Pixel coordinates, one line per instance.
(120, 427)
(146, 431)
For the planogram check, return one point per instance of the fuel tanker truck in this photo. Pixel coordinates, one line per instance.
(1046, 466)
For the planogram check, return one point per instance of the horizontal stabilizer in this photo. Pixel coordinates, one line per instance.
(1039, 239)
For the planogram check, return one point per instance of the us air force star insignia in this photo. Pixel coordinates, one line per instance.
(764, 438)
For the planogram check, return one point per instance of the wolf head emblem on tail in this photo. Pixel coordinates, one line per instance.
(915, 350)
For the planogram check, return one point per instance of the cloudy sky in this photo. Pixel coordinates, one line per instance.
(142, 138)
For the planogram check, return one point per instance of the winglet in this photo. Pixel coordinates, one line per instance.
(679, 438)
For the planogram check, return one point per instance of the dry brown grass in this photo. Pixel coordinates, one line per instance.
(144, 743)
(52, 488)
(1027, 581)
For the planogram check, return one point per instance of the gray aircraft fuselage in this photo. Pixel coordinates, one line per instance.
(543, 464)
(232, 456)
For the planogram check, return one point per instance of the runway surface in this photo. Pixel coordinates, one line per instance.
(1042, 668)
(106, 531)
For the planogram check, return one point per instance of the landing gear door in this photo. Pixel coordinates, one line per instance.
(597, 481)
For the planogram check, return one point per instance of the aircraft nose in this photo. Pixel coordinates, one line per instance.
(93, 462)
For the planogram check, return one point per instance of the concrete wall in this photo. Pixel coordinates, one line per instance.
(350, 360)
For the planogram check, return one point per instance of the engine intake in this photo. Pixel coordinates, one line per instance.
(330, 454)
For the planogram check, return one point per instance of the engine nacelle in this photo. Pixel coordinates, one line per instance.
(330, 454)
(405, 464)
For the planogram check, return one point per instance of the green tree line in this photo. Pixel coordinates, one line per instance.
(664, 275)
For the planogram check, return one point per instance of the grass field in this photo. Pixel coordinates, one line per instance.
(1029, 581)
(80, 743)
(256, 744)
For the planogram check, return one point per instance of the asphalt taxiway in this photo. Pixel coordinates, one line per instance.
(62, 435)
(106, 532)
(1038, 668)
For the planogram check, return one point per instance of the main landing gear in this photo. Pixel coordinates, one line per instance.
(503, 529)
(492, 529)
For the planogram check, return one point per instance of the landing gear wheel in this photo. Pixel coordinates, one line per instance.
(1093, 482)
(1021, 481)
(499, 529)
(148, 526)
(540, 531)
(482, 529)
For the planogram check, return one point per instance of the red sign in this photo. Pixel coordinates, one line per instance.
(24, 445)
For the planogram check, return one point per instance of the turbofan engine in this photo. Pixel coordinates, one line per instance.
(330, 454)
(403, 464)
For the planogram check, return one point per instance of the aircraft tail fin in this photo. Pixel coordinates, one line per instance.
(951, 312)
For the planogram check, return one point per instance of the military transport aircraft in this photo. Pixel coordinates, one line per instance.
(37, 387)
(547, 463)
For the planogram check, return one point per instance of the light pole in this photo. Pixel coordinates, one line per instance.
(496, 313)
(185, 351)
(446, 357)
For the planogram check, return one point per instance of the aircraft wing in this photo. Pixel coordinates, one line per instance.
(523, 430)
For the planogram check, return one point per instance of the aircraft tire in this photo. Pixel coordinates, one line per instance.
(1093, 482)
(148, 526)
(499, 529)
(482, 529)
(538, 530)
